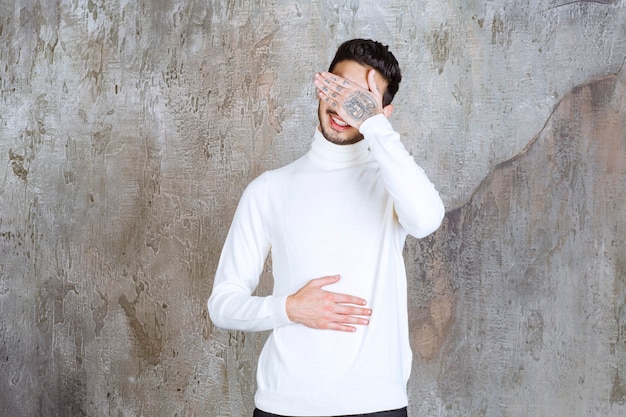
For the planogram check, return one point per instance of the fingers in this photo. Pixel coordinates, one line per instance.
(344, 312)
(348, 299)
(345, 327)
(333, 86)
(346, 318)
(352, 314)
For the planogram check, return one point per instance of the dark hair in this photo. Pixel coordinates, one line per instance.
(372, 54)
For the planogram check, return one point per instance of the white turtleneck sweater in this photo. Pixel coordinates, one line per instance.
(339, 209)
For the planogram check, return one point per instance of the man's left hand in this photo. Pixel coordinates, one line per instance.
(353, 103)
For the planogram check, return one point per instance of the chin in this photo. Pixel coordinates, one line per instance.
(341, 138)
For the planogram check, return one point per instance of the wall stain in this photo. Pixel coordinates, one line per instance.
(499, 33)
(532, 334)
(99, 313)
(429, 332)
(49, 306)
(148, 335)
(439, 44)
(31, 138)
(433, 316)
(618, 390)
(17, 163)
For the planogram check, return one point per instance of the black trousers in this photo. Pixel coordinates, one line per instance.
(400, 412)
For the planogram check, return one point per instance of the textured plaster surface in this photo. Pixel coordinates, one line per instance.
(128, 131)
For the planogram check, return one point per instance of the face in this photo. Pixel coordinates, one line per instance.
(333, 128)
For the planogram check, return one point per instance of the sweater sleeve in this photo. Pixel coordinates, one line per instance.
(417, 203)
(231, 304)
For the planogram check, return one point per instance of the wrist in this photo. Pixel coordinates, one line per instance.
(289, 308)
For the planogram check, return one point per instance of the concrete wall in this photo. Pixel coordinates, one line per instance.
(128, 131)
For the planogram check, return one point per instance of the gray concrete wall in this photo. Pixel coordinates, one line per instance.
(128, 131)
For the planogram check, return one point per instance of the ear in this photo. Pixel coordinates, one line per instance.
(387, 110)
(371, 80)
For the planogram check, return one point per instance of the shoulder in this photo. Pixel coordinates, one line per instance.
(274, 179)
(286, 172)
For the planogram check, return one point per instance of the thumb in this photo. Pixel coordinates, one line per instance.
(324, 281)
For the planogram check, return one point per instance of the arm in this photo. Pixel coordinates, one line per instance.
(416, 201)
(231, 304)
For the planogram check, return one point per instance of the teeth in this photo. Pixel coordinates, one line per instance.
(339, 121)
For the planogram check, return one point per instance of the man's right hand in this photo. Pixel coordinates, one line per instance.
(321, 309)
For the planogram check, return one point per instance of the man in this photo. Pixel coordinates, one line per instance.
(335, 222)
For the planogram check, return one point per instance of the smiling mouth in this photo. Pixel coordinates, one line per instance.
(338, 122)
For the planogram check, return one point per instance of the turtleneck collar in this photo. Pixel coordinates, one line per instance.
(332, 156)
